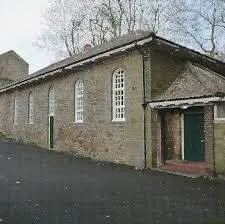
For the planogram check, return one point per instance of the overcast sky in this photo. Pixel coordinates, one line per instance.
(20, 22)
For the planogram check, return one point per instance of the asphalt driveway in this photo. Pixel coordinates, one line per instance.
(39, 186)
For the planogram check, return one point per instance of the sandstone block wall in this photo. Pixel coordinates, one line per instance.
(98, 137)
(219, 141)
(12, 67)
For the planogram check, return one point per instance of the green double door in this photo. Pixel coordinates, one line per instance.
(194, 147)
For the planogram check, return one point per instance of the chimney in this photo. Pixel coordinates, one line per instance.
(87, 49)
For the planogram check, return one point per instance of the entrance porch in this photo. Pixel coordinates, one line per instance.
(185, 138)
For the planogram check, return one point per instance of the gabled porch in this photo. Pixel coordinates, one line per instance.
(184, 140)
(184, 117)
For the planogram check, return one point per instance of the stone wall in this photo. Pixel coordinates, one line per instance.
(171, 131)
(219, 141)
(98, 137)
(208, 135)
(165, 69)
(12, 68)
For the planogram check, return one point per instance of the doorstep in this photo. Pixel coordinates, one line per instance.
(185, 168)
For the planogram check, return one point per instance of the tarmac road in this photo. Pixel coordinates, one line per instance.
(40, 186)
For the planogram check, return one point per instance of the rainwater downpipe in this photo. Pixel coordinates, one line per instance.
(144, 104)
(214, 159)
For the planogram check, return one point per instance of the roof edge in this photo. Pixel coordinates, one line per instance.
(121, 48)
(82, 62)
(186, 102)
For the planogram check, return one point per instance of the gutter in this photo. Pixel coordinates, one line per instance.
(176, 103)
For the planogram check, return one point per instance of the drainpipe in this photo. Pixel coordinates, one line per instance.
(214, 159)
(145, 137)
(144, 104)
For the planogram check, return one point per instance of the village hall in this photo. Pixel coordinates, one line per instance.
(139, 100)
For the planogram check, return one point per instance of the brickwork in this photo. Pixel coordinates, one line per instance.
(164, 70)
(219, 141)
(98, 137)
(155, 135)
(208, 134)
(172, 134)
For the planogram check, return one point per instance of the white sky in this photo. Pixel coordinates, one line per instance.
(20, 23)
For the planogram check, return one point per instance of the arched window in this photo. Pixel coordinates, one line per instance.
(51, 102)
(118, 96)
(30, 108)
(79, 104)
(15, 117)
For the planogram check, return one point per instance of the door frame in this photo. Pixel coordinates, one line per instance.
(182, 135)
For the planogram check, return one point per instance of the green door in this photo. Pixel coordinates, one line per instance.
(194, 149)
(51, 132)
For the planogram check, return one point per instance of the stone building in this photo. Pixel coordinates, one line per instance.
(139, 100)
(12, 68)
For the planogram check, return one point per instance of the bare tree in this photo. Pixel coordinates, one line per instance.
(63, 29)
(203, 26)
(69, 24)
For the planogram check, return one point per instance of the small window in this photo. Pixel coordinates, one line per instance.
(220, 111)
(118, 96)
(30, 109)
(15, 117)
(79, 104)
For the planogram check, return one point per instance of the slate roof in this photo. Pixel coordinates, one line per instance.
(194, 82)
(130, 38)
(121, 44)
(110, 45)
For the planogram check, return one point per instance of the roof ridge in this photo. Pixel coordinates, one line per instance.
(106, 46)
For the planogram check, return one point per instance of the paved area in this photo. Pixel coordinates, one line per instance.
(38, 186)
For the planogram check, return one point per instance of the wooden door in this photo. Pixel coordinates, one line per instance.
(194, 148)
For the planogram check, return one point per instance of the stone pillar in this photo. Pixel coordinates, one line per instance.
(208, 135)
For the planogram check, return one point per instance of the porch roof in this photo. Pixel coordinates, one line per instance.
(196, 84)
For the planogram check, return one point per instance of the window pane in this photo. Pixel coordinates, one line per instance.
(79, 101)
(30, 118)
(118, 95)
(221, 110)
(51, 101)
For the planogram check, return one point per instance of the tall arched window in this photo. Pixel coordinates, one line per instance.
(79, 101)
(51, 102)
(30, 109)
(15, 117)
(118, 96)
